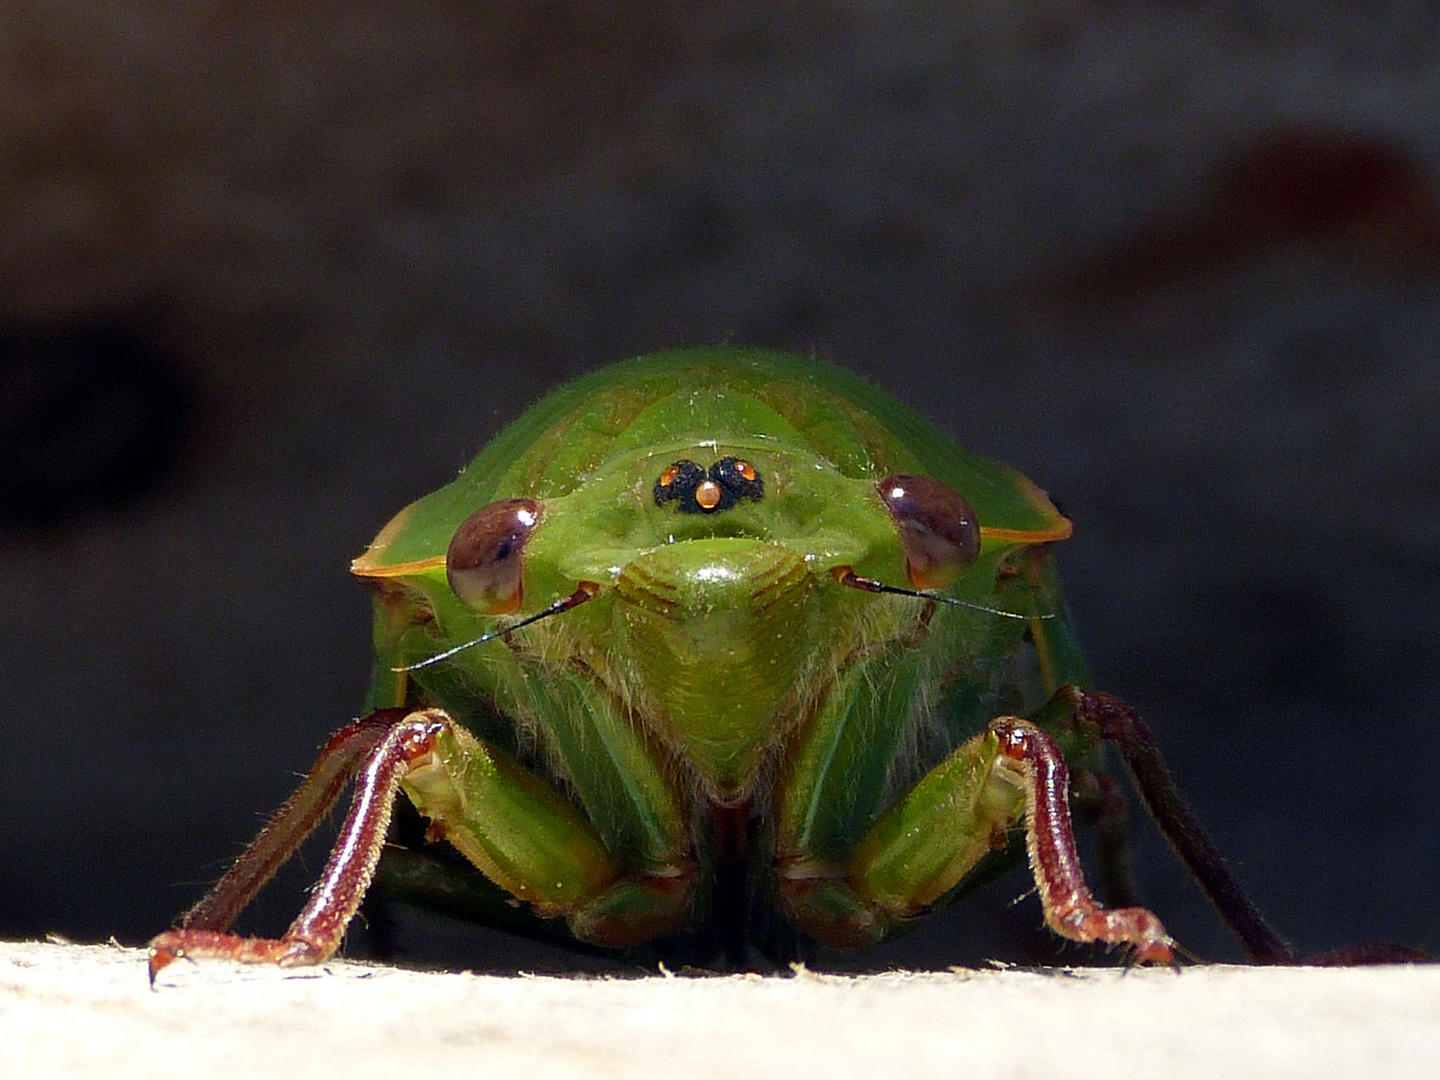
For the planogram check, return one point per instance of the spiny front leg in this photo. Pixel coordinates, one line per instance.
(1070, 909)
(377, 751)
(516, 828)
(334, 768)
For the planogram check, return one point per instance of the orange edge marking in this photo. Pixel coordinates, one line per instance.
(1061, 530)
(404, 569)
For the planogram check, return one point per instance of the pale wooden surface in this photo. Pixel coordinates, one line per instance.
(86, 1010)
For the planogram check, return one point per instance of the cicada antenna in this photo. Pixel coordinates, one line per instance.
(586, 591)
(848, 577)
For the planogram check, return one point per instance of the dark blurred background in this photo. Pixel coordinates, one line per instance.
(270, 271)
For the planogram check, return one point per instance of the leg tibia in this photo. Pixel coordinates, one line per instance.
(1070, 910)
(334, 768)
(377, 753)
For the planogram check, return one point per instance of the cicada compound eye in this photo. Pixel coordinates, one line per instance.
(937, 527)
(483, 561)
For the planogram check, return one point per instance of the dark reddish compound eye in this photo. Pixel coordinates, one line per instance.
(700, 492)
(483, 561)
(937, 529)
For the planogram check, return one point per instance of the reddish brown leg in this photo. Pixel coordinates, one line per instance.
(1070, 910)
(333, 770)
(377, 751)
(1119, 723)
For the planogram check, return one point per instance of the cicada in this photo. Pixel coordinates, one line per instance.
(727, 647)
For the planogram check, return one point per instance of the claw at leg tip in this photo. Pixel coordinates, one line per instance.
(160, 959)
(158, 963)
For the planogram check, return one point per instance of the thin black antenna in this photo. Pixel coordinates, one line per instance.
(586, 591)
(848, 577)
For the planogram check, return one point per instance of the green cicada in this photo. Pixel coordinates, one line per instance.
(723, 645)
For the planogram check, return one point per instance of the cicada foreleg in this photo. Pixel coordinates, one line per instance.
(1070, 909)
(938, 832)
(513, 826)
(333, 770)
(375, 752)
